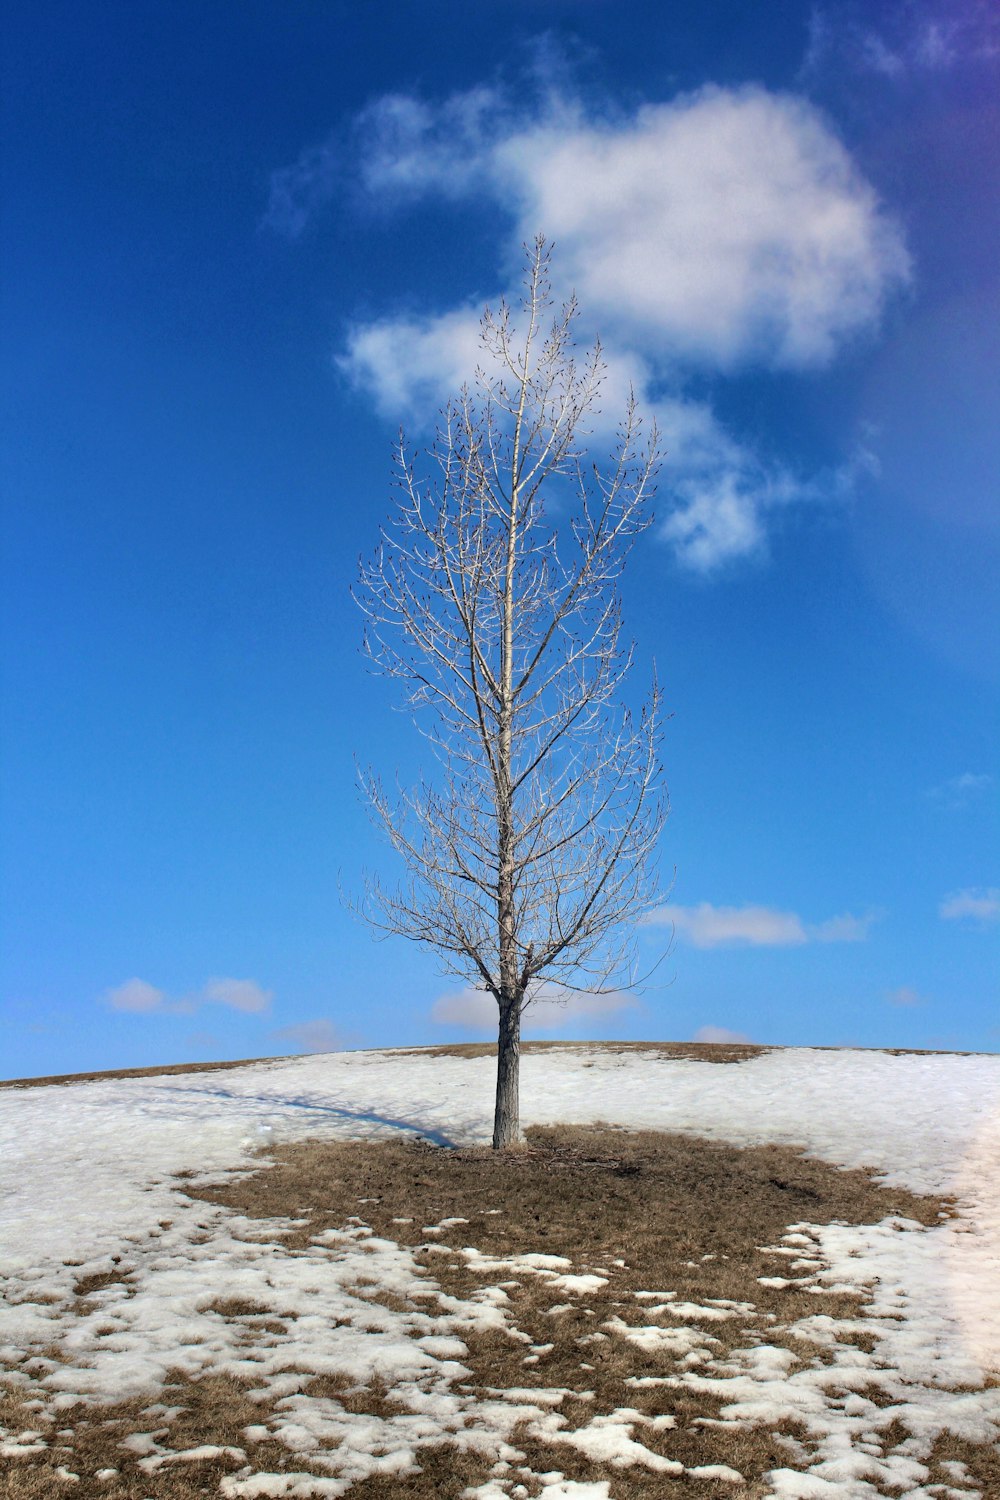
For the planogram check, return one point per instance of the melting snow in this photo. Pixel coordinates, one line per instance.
(930, 1123)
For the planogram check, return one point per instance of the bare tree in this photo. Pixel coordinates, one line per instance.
(527, 853)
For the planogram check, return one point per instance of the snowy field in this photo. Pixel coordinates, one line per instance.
(88, 1173)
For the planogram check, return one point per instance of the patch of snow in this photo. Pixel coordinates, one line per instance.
(667, 1341)
(190, 1456)
(695, 1311)
(609, 1439)
(547, 1267)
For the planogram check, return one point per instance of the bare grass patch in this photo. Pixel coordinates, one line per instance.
(641, 1213)
(101, 1445)
(624, 1263)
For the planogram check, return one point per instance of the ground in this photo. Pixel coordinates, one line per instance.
(605, 1313)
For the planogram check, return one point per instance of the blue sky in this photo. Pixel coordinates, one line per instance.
(243, 243)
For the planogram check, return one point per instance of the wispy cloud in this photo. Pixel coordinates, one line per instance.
(142, 998)
(724, 494)
(906, 39)
(961, 791)
(718, 1035)
(981, 906)
(905, 996)
(708, 926)
(724, 229)
(312, 1036)
(847, 928)
(550, 1009)
(297, 191)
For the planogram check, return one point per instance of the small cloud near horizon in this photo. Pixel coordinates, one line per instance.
(717, 1035)
(708, 926)
(905, 995)
(140, 997)
(238, 994)
(136, 995)
(204, 1041)
(312, 1036)
(550, 1009)
(980, 905)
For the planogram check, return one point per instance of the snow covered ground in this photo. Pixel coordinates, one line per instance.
(88, 1172)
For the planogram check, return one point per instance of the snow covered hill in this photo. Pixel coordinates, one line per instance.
(88, 1172)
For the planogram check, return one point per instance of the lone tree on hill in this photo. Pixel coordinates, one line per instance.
(527, 854)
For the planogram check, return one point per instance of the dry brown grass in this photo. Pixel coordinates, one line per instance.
(214, 1411)
(715, 1052)
(683, 1214)
(167, 1069)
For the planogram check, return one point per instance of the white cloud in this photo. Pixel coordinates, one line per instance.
(312, 1036)
(550, 1009)
(718, 1035)
(140, 997)
(708, 926)
(136, 995)
(475, 1009)
(725, 228)
(719, 520)
(729, 226)
(238, 994)
(410, 366)
(982, 906)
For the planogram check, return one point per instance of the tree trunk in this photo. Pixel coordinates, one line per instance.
(507, 1116)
